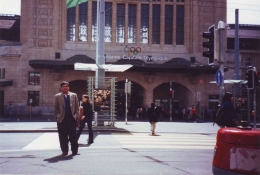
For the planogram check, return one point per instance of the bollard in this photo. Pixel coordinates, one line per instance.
(237, 151)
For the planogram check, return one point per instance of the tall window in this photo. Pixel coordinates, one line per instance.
(33, 98)
(144, 23)
(156, 24)
(108, 22)
(168, 24)
(120, 25)
(180, 25)
(132, 23)
(94, 21)
(71, 15)
(83, 21)
(34, 78)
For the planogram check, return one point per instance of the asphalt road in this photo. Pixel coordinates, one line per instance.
(111, 153)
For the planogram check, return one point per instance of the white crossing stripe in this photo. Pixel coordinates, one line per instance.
(172, 141)
(49, 141)
(45, 141)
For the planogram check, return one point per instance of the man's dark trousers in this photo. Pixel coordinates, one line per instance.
(67, 132)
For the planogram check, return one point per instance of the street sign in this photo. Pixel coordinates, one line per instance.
(219, 78)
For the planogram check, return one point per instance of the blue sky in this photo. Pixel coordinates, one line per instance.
(249, 10)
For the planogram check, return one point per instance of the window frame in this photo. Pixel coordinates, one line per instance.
(36, 81)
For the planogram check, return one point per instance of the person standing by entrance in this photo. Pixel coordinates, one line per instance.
(194, 113)
(153, 117)
(66, 111)
(87, 118)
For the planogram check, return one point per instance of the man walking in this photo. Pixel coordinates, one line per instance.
(66, 111)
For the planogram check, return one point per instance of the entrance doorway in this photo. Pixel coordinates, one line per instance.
(135, 99)
(181, 98)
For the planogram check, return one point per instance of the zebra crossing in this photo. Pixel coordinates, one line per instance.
(134, 140)
(171, 141)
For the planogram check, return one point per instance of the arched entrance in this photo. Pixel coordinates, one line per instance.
(180, 98)
(135, 100)
(79, 87)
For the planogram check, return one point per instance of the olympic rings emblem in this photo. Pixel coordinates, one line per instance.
(132, 50)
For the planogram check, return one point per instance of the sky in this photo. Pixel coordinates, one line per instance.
(249, 10)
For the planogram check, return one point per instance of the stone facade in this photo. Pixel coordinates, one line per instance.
(43, 33)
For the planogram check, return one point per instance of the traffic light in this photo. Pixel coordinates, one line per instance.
(256, 79)
(249, 78)
(170, 93)
(210, 44)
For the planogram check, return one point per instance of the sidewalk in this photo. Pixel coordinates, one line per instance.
(50, 125)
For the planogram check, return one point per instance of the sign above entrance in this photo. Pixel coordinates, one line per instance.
(136, 57)
(107, 67)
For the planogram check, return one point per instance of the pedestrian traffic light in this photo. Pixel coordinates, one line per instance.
(256, 79)
(249, 78)
(210, 44)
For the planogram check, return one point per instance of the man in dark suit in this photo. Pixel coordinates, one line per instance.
(66, 109)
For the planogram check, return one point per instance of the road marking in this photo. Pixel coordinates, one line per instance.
(45, 141)
(49, 141)
(172, 141)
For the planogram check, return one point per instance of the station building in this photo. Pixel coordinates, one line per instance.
(162, 39)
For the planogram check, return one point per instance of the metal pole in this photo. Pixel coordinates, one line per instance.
(171, 102)
(237, 77)
(100, 72)
(254, 103)
(221, 28)
(126, 90)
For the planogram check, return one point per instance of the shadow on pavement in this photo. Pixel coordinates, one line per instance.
(59, 158)
(84, 145)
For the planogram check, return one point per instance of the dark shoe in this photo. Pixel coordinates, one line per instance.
(90, 143)
(64, 154)
(77, 153)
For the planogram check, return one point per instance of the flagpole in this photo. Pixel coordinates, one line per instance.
(100, 58)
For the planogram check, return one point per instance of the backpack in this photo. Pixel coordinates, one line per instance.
(218, 119)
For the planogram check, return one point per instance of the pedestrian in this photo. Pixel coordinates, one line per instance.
(86, 117)
(194, 113)
(66, 111)
(228, 111)
(153, 117)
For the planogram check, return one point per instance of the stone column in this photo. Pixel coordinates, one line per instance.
(162, 25)
(174, 26)
(114, 21)
(89, 34)
(138, 23)
(150, 31)
(126, 24)
(148, 97)
(77, 25)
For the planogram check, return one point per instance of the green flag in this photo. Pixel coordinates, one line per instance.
(73, 3)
